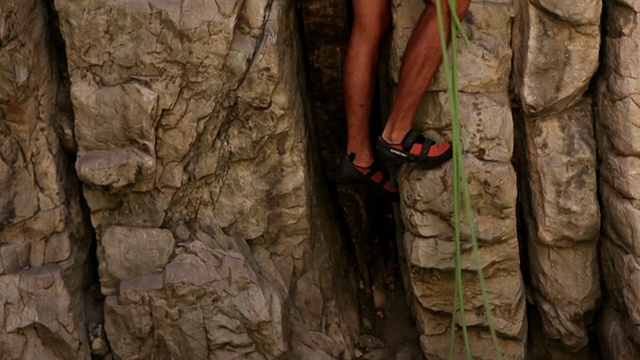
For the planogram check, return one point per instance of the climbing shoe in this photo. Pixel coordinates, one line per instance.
(375, 177)
(415, 148)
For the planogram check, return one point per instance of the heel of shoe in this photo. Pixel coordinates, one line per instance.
(346, 174)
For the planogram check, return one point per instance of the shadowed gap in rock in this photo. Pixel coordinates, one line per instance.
(93, 298)
(368, 220)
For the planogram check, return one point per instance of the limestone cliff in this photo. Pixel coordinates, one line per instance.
(168, 193)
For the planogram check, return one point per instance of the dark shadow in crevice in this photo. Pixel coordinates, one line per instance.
(63, 125)
(368, 221)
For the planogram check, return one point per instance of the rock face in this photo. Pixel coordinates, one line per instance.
(427, 202)
(556, 52)
(193, 148)
(557, 165)
(184, 144)
(44, 237)
(617, 122)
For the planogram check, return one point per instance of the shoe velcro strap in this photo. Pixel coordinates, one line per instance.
(411, 138)
(373, 174)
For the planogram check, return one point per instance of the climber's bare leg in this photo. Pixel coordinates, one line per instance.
(371, 22)
(421, 60)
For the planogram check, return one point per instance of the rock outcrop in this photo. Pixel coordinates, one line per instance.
(617, 124)
(194, 150)
(178, 143)
(44, 237)
(427, 202)
(561, 215)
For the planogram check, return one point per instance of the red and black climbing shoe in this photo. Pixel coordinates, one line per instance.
(415, 148)
(375, 176)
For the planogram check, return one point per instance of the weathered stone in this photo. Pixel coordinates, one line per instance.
(615, 341)
(14, 257)
(427, 195)
(190, 120)
(206, 304)
(115, 168)
(540, 347)
(126, 253)
(622, 273)
(561, 158)
(584, 12)
(485, 119)
(617, 121)
(43, 233)
(563, 221)
(484, 67)
(554, 60)
(427, 207)
(436, 340)
(42, 314)
(428, 201)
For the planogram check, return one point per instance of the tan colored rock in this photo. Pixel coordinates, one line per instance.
(40, 310)
(483, 67)
(206, 304)
(563, 221)
(620, 271)
(616, 126)
(191, 125)
(615, 341)
(427, 195)
(125, 253)
(488, 124)
(561, 158)
(431, 254)
(584, 12)
(554, 60)
(436, 340)
(44, 238)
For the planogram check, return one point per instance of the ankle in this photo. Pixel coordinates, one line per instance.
(362, 159)
(394, 136)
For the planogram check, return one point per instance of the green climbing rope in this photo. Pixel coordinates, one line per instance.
(460, 180)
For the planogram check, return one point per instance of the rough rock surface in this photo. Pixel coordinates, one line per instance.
(556, 50)
(427, 194)
(562, 220)
(196, 144)
(617, 124)
(555, 46)
(44, 236)
(193, 147)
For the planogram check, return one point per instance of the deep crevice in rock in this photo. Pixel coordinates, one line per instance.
(369, 221)
(63, 122)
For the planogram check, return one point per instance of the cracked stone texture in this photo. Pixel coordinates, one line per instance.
(562, 220)
(44, 236)
(427, 201)
(193, 147)
(556, 52)
(556, 48)
(617, 124)
(206, 304)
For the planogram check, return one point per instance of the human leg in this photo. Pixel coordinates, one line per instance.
(421, 60)
(371, 22)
